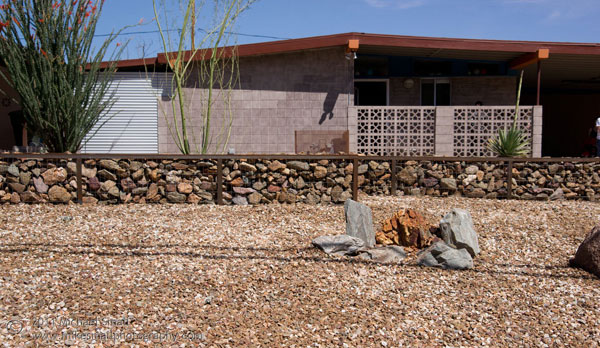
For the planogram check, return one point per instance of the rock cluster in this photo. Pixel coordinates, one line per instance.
(458, 246)
(359, 239)
(406, 228)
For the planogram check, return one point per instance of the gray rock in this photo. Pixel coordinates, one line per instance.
(557, 195)
(442, 255)
(448, 184)
(240, 200)
(176, 197)
(297, 165)
(471, 170)
(457, 231)
(359, 222)
(243, 190)
(40, 185)
(392, 253)
(13, 170)
(363, 168)
(339, 245)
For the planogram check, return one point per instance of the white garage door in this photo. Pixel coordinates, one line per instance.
(131, 126)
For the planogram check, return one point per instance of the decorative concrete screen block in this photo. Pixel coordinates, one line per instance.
(474, 126)
(396, 130)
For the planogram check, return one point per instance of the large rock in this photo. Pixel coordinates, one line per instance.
(176, 197)
(407, 228)
(54, 175)
(407, 176)
(40, 185)
(297, 165)
(13, 170)
(386, 254)
(442, 255)
(457, 231)
(588, 253)
(247, 167)
(359, 222)
(240, 200)
(59, 194)
(448, 184)
(109, 164)
(339, 245)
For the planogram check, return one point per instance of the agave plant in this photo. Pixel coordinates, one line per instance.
(511, 142)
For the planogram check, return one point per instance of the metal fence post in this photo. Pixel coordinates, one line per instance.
(355, 179)
(509, 182)
(220, 181)
(394, 178)
(78, 165)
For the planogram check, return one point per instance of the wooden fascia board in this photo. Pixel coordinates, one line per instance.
(528, 59)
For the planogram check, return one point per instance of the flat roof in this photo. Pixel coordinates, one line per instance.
(569, 62)
(382, 41)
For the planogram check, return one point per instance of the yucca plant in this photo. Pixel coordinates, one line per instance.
(511, 142)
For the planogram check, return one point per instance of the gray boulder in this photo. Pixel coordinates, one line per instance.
(392, 253)
(444, 256)
(359, 222)
(339, 245)
(458, 232)
(240, 200)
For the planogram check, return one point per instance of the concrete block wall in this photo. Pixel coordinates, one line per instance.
(279, 94)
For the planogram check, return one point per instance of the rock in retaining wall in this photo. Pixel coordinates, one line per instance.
(258, 181)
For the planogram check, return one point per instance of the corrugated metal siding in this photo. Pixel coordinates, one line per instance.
(132, 123)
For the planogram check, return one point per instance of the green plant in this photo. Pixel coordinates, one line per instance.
(209, 70)
(46, 46)
(511, 142)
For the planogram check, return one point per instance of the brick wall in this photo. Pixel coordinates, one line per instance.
(279, 94)
(488, 90)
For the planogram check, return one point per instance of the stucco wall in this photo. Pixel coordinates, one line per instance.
(278, 95)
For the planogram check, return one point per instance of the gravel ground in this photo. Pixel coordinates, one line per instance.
(181, 275)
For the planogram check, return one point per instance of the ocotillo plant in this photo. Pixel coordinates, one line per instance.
(46, 46)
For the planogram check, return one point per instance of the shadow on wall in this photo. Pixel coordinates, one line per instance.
(328, 106)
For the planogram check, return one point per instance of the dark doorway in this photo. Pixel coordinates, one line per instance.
(370, 93)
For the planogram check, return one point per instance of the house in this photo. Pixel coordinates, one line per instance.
(375, 94)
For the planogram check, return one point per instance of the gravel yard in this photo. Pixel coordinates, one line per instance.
(184, 275)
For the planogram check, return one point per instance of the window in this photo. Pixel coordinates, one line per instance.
(371, 92)
(435, 92)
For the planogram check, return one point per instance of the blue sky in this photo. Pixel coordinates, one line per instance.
(543, 20)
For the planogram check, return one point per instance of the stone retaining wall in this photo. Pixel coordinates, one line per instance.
(285, 181)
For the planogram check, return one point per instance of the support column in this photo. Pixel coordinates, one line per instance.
(353, 128)
(539, 81)
(536, 136)
(444, 131)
